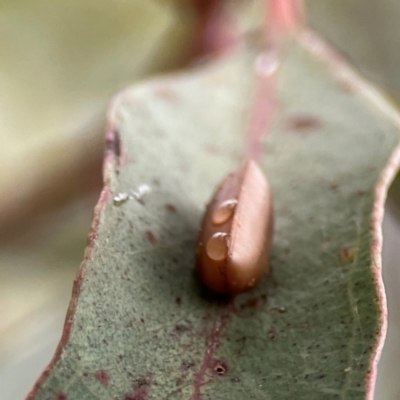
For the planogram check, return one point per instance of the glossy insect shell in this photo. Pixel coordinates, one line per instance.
(246, 233)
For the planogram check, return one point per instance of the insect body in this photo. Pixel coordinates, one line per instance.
(236, 232)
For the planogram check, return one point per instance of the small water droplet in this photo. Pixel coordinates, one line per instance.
(267, 63)
(224, 212)
(120, 198)
(141, 191)
(217, 246)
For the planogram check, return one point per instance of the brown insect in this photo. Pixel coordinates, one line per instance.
(236, 232)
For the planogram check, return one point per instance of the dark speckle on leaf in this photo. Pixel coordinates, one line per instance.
(255, 302)
(347, 254)
(103, 377)
(140, 391)
(170, 207)
(334, 185)
(150, 236)
(61, 396)
(136, 396)
(303, 123)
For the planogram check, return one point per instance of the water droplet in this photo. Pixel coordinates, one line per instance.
(141, 191)
(267, 63)
(120, 198)
(224, 212)
(217, 246)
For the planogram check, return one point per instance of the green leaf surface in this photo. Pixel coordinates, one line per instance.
(140, 325)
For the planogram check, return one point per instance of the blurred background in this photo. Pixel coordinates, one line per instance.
(60, 63)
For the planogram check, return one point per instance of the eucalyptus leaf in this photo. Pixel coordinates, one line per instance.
(140, 325)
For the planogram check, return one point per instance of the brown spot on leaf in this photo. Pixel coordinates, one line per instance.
(61, 396)
(170, 207)
(261, 300)
(103, 377)
(220, 368)
(252, 302)
(150, 237)
(141, 395)
(303, 123)
(348, 254)
(360, 193)
(166, 93)
(178, 301)
(255, 302)
(334, 185)
(140, 387)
